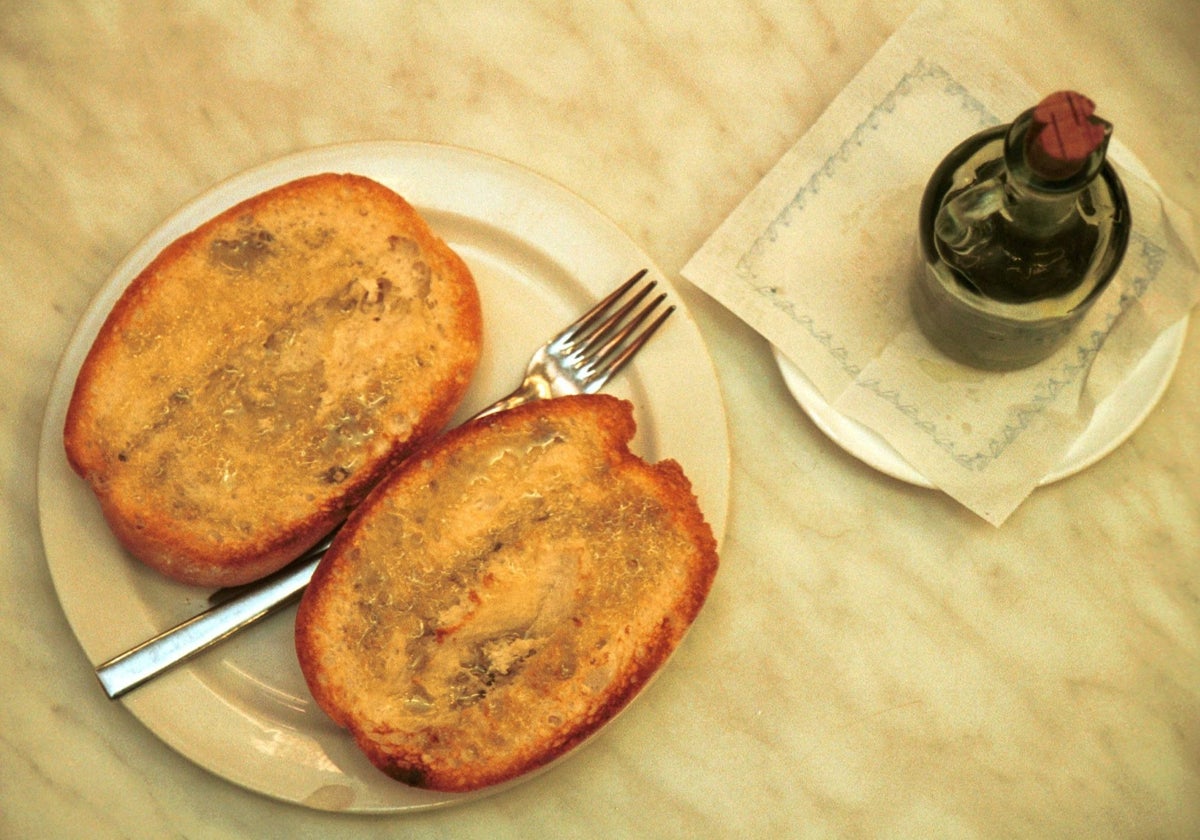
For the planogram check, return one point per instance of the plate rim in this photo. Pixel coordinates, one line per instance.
(868, 446)
(148, 704)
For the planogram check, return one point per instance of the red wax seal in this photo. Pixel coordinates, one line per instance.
(1064, 133)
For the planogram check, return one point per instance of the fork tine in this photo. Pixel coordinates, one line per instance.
(585, 321)
(604, 368)
(613, 333)
(603, 333)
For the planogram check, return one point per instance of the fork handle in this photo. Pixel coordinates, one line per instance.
(149, 659)
(526, 393)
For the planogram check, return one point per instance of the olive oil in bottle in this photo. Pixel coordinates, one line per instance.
(1021, 227)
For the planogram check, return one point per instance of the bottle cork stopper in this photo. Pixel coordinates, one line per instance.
(1064, 134)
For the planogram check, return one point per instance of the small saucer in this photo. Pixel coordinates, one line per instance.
(1114, 420)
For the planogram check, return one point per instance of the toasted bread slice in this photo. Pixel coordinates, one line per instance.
(504, 593)
(262, 374)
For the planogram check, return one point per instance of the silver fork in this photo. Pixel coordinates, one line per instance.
(579, 360)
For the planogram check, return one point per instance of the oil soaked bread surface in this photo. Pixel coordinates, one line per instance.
(274, 347)
(503, 597)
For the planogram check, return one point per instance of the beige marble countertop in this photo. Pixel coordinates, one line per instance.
(874, 661)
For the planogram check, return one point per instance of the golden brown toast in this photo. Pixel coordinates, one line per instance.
(504, 593)
(262, 374)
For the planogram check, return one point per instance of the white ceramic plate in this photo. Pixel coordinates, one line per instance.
(540, 256)
(1113, 421)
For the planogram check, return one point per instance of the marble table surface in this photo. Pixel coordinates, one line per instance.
(874, 661)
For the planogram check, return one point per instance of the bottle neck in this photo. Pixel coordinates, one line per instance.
(1038, 204)
(1038, 213)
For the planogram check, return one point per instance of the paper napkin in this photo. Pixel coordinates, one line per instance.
(819, 259)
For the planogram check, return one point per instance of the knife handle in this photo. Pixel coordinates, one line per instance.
(135, 666)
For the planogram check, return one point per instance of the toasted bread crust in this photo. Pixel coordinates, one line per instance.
(264, 371)
(504, 593)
